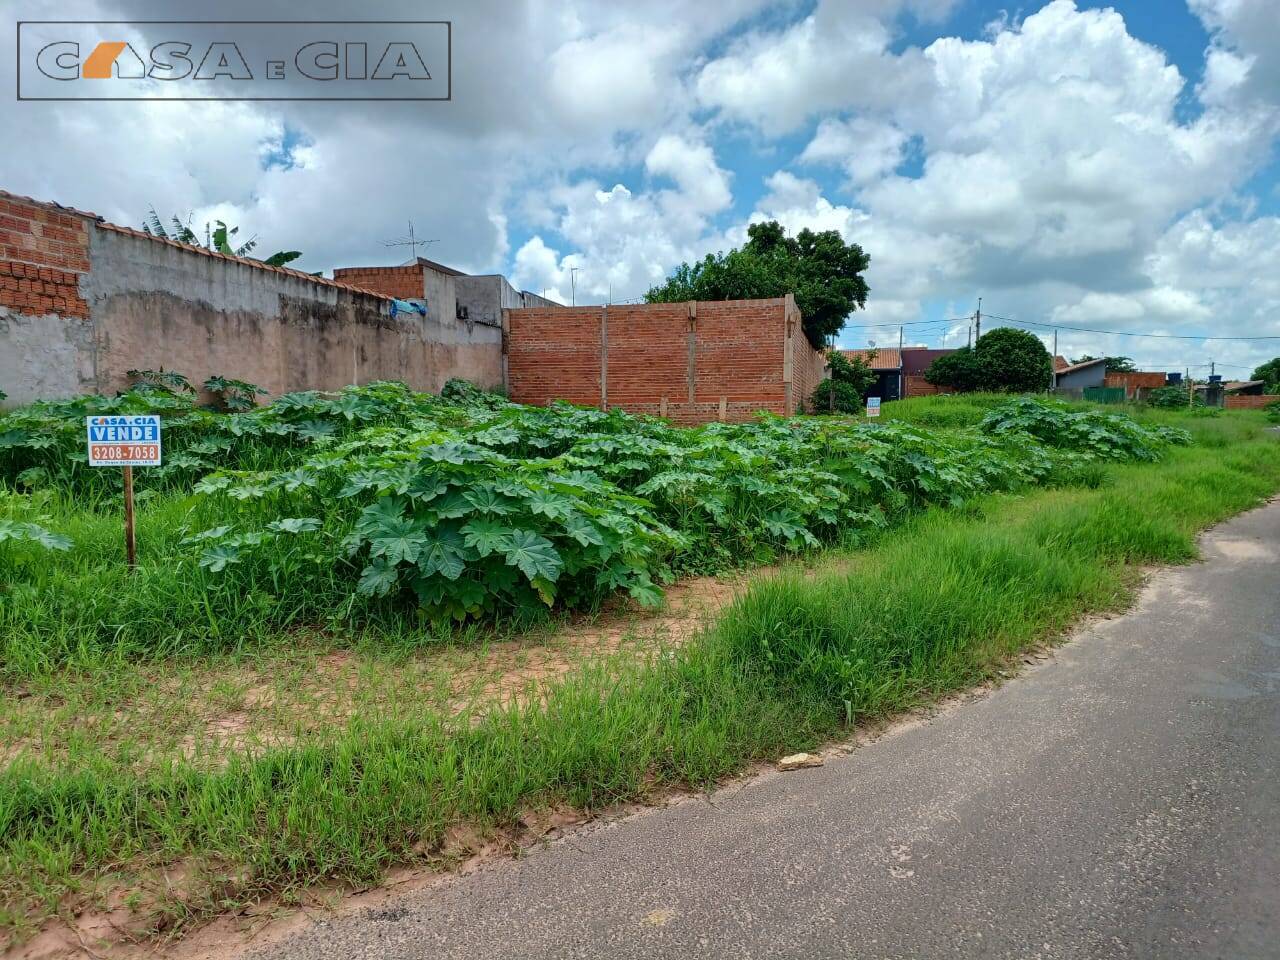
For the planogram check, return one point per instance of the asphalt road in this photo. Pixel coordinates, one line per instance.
(1119, 800)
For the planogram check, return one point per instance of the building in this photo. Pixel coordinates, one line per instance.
(691, 362)
(83, 301)
(900, 371)
(449, 294)
(915, 364)
(1075, 378)
(886, 364)
(1244, 388)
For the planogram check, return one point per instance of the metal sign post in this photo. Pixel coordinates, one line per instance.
(124, 441)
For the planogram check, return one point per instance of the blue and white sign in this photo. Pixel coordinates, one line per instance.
(123, 441)
(873, 406)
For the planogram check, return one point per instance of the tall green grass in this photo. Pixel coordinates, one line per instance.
(932, 607)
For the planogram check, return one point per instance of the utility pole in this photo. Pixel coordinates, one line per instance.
(977, 322)
(900, 375)
(1212, 369)
(573, 286)
(1054, 378)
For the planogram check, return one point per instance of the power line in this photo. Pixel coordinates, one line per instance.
(1124, 333)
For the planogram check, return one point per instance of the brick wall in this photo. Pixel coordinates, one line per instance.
(690, 362)
(1135, 381)
(809, 366)
(1249, 403)
(553, 353)
(43, 252)
(918, 386)
(403, 282)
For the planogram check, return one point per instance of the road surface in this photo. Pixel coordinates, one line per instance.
(1120, 800)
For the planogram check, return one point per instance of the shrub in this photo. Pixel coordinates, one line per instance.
(1172, 398)
(849, 381)
(1004, 359)
(832, 396)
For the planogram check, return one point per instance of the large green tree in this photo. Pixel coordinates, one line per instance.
(1003, 359)
(824, 273)
(1270, 372)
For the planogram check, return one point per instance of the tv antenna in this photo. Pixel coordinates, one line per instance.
(412, 242)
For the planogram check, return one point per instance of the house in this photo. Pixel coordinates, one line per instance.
(1075, 378)
(915, 364)
(886, 364)
(1244, 388)
(449, 294)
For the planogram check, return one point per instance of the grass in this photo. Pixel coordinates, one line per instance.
(938, 605)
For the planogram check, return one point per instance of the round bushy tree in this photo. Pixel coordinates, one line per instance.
(1014, 360)
(1004, 359)
(962, 371)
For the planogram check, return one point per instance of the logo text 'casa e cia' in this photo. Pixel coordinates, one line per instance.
(235, 60)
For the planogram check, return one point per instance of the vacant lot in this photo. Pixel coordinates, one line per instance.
(365, 621)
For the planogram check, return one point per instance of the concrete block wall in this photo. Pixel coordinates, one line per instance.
(691, 362)
(83, 301)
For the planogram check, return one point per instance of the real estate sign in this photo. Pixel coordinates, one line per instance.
(873, 406)
(123, 441)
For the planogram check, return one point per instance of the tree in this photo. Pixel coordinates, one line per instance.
(1113, 364)
(846, 386)
(1004, 359)
(1014, 360)
(961, 370)
(217, 239)
(1270, 372)
(823, 272)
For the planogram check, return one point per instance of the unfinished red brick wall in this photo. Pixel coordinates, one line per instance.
(692, 362)
(1133, 382)
(918, 386)
(1249, 402)
(553, 353)
(43, 252)
(808, 365)
(404, 282)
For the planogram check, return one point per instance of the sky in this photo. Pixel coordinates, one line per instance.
(1074, 164)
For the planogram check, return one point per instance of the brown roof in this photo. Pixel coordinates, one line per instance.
(246, 261)
(1076, 366)
(887, 358)
(1241, 384)
(1061, 363)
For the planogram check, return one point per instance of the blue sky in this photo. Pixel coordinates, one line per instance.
(1044, 157)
